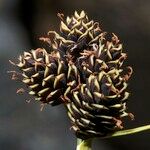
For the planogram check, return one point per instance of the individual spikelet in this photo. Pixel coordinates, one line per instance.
(44, 75)
(76, 34)
(98, 106)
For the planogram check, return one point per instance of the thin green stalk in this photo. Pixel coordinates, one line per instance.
(84, 144)
(87, 144)
(129, 131)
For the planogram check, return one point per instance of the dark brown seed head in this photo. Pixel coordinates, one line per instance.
(44, 75)
(98, 106)
(76, 34)
(84, 71)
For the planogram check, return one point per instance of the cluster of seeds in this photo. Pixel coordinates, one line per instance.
(84, 71)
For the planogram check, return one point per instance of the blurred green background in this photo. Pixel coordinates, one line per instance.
(23, 126)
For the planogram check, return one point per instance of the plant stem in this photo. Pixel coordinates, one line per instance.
(129, 131)
(87, 144)
(84, 144)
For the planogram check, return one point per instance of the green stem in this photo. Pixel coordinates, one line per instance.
(87, 144)
(84, 144)
(129, 131)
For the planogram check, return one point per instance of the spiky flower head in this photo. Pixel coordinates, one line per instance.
(85, 71)
(44, 74)
(76, 34)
